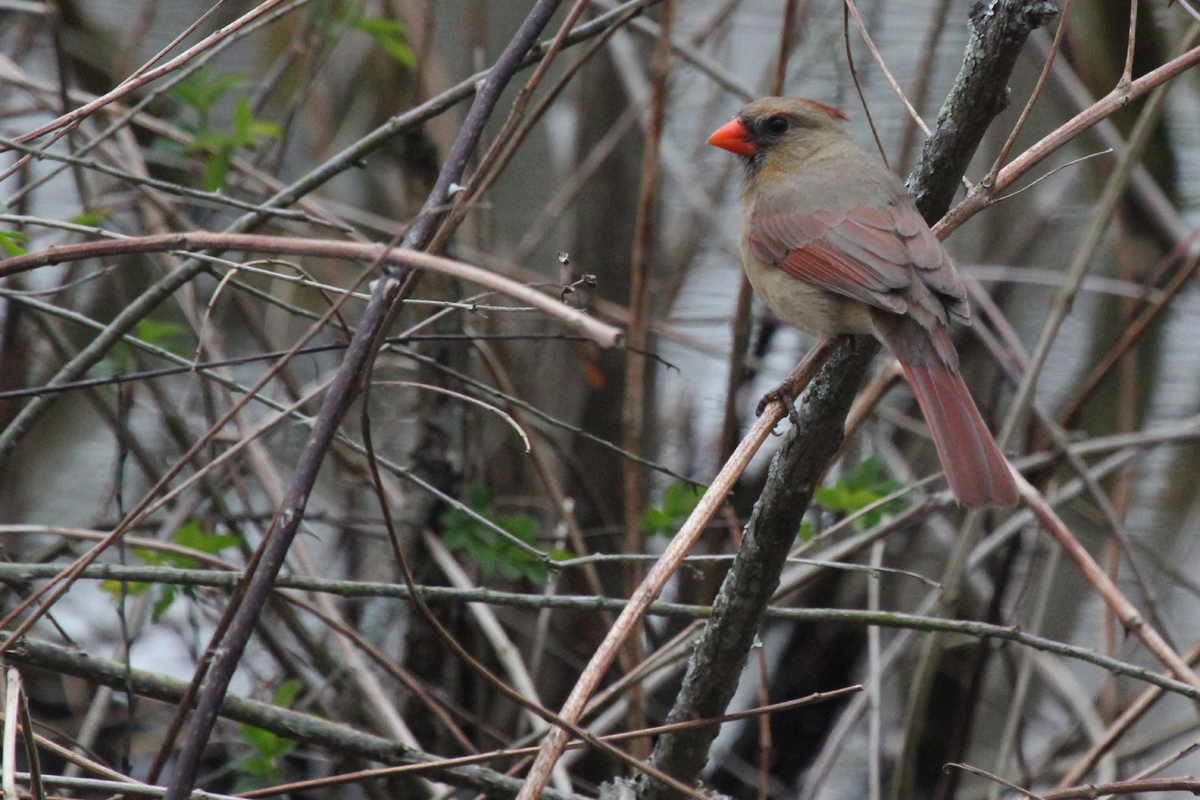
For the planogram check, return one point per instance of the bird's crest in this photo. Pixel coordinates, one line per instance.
(830, 110)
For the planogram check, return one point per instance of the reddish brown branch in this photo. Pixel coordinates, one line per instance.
(1095, 575)
(984, 193)
(603, 334)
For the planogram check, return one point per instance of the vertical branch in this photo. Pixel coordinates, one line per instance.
(1127, 391)
(740, 330)
(8, 744)
(787, 34)
(634, 409)
(874, 684)
(764, 727)
(31, 751)
(920, 92)
(1127, 72)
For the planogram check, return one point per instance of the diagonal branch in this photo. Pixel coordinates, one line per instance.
(717, 660)
(341, 393)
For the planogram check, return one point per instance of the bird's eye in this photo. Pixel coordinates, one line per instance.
(777, 124)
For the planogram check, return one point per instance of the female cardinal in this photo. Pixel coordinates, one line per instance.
(833, 244)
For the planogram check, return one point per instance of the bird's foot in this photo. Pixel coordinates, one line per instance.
(782, 393)
(798, 380)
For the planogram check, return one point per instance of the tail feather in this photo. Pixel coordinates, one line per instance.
(977, 472)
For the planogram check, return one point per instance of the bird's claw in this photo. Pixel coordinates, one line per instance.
(783, 394)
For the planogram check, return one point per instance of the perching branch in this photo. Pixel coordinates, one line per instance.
(977, 97)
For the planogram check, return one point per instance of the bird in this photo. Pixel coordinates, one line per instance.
(833, 244)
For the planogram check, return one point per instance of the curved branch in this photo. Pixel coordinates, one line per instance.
(603, 334)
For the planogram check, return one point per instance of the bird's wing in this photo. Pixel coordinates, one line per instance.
(868, 253)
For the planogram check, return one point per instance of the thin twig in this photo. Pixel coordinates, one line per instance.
(994, 778)
(982, 196)
(1092, 238)
(605, 335)
(1104, 586)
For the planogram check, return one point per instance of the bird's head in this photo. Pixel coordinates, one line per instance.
(780, 128)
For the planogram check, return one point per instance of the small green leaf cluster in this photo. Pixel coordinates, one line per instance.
(200, 93)
(91, 218)
(390, 35)
(13, 243)
(494, 554)
(261, 767)
(189, 535)
(678, 502)
(161, 333)
(858, 488)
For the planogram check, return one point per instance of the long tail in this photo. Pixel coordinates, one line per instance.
(975, 469)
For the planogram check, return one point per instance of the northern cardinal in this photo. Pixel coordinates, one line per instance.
(833, 244)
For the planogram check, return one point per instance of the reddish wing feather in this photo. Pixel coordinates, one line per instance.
(822, 266)
(872, 246)
(866, 253)
(858, 254)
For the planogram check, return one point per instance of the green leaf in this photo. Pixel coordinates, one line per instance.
(132, 588)
(8, 242)
(200, 93)
(262, 771)
(91, 218)
(678, 501)
(243, 117)
(165, 599)
(269, 747)
(155, 558)
(493, 553)
(193, 536)
(858, 488)
(264, 130)
(287, 693)
(266, 743)
(247, 131)
(217, 169)
(208, 141)
(391, 36)
(158, 332)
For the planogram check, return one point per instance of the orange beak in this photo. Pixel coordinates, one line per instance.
(734, 137)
